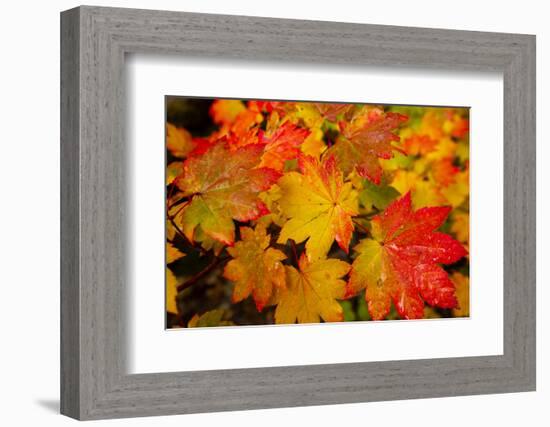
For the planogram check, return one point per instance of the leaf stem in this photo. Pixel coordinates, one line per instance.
(184, 237)
(361, 226)
(184, 204)
(369, 215)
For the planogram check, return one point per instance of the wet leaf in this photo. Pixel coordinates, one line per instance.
(312, 292)
(319, 205)
(223, 185)
(255, 268)
(364, 140)
(401, 264)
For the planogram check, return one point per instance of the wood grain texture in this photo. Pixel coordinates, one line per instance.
(70, 316)
(94, 177)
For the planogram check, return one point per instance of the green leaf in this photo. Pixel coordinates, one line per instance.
(349, 314)
(209, 319)
(362, 308)
(377, 196)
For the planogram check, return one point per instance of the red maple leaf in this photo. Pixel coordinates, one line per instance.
(401, 263)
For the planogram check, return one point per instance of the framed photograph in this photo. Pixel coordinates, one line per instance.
(306, 181)
(303, 212)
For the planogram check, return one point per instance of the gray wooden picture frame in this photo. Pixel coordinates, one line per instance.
(94, 42)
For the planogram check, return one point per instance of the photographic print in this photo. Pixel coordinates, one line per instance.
(283, 212)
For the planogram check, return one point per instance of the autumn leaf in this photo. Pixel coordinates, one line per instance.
(244, 138)
(431, 124)
(172, 253)
(238, 124)
(456, 125)
(458, 191)
(424, 192)
(319, 205)
(243, 129)
(275, 215)
(223, 185)
(377, 196)
(171, 292)
(306, 114)
(255, 268)
(401, 263)
(364, 140)
(314, 145)
(312, 292)
(209, 319)
(419, 145)
(170, 230)
(462, 151)
(282, 145)
(461, 226)
(444, 172)
(225, 111)
(332, 111)
(207, 242)
(173, 170)
(178, 141)
(445, 148)
(280, 107)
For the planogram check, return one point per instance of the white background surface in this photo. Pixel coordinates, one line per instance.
(152, 348)
(29, 177)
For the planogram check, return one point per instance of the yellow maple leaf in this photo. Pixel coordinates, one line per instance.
(445, 148)
(431, 123)
(170, 230)
(463, 151)
(423, 192)
(461, 226)
(319, 205)
(178, 141)
(172, 253)
(255, 268)
(171, 292)
(457, 192)
(314, 145)
(271, 198)
(312, 292)
(306, 113)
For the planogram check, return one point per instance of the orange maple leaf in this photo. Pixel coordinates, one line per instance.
(364, 140)
(282, 145)
(255, 268)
